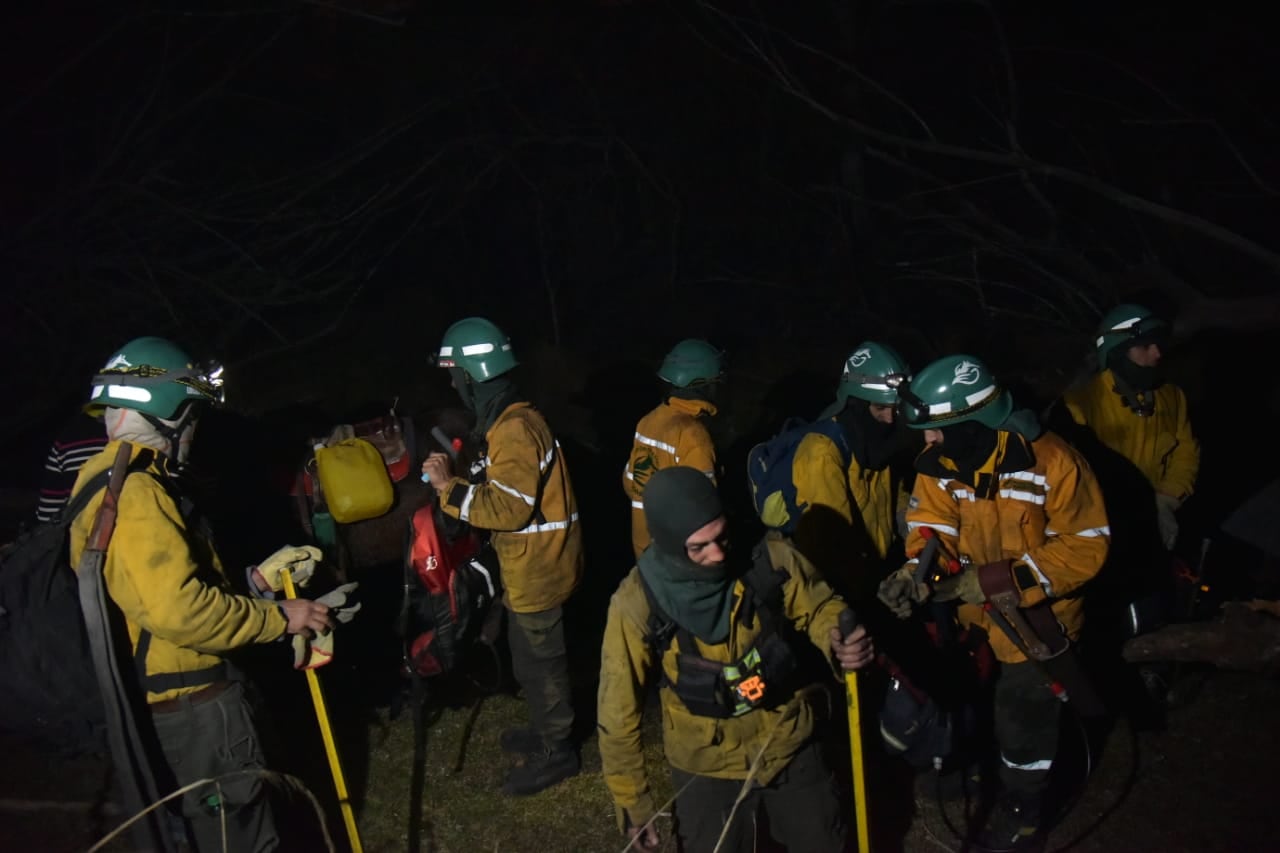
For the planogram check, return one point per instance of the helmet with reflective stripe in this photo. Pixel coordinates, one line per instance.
(1125, 326)
(873, 372)
(952, 390)
(154, 376)
(691, 361)
(478, 347)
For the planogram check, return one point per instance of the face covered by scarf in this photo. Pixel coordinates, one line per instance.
(136, 428)
(485, 400)
(1133, 378)
(873, 442)
(678, 502)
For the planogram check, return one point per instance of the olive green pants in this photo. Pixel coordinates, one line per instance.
(1027, 715)
(211, 740)
(540, 662)
(801, 805)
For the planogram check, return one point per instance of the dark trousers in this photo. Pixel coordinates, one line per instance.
(208, 740)
(801, 804)
(1027, 716)
(540, 662)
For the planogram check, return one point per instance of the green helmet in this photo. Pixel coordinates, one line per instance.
(951, 390)
(873, 372)
(1125, 326)
(691, 361)
(155, 377)
(478, 347)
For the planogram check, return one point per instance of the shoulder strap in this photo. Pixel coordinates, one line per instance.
(97, 483)
(661, 628)
(765, 583)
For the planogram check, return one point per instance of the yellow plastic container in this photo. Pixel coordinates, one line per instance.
(354, 479)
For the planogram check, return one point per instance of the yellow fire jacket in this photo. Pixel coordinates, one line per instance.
(1162, 445)
(827, 492)
(167, 588)
(1048, 516)
(672, 434)
(527, 503)
(720, 748)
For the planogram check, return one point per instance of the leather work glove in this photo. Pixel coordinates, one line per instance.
(1167, 517)
(318, 651)
(964, 586)
(299, 559)
(900, 591)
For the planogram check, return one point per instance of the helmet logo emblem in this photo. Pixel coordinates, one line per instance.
(117, 361)
(967, 373)
(860, 357)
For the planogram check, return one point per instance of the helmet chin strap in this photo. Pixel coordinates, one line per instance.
(176, 433)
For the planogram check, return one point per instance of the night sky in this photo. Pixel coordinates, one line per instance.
(273, 182)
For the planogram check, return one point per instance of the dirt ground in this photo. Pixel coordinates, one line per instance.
(1206, 783)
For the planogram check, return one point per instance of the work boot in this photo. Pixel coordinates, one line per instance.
(1014, 824)
(521, 740)
(541, 770)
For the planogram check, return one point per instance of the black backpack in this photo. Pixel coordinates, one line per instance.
(50, 690)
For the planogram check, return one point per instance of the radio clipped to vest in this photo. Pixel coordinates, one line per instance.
(762, 677)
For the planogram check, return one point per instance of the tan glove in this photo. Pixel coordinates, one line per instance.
(318, 651)
(900, 591)
(1167, 517)
(300, 560)
(963, 586)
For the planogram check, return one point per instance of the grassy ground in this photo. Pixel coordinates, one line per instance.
(464, 812)
(1204, 784)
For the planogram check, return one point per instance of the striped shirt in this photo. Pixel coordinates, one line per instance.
(80, 441)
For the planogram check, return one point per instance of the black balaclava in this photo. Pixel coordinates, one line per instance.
(707, 392)
(678, 502)
(969, 444)
(1133, 378)
(485, 400)
(872, 442)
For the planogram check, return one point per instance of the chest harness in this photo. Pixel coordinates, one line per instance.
(762, 677)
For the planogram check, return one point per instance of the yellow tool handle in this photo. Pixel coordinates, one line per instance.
(847, 623)
(326, 733)
(855, 751)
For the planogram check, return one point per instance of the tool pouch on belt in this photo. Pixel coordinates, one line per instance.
(1037, 631)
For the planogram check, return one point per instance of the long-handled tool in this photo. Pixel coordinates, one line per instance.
(326, 733)
(848, 622)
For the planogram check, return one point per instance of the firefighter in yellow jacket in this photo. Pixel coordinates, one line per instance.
(716, 645)
(1132, 409)
(180, 615)
(526, 502)
(848, 498)
(1021, 510)
(675, 433)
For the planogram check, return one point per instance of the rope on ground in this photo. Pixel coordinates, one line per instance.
(283, 780)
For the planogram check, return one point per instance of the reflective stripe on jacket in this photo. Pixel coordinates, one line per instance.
(672, 434)
(1049, 517)
(163, 586)
(527, 503)
(1161, 445)
(720, 748)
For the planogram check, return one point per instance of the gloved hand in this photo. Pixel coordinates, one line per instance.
(300, 560)
(318, 651)
(963, 586)
(900, 591)
(1166, 516)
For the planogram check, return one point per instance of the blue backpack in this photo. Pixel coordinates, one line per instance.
(773, 489)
